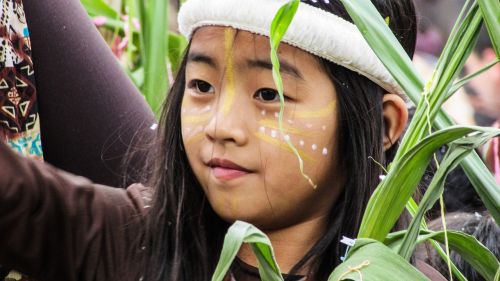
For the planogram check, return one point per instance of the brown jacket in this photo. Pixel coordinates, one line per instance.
(53, 232)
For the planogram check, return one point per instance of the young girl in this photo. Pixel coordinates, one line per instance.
(221, 156)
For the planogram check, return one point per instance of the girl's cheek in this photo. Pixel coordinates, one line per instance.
(310, 132)
(193, 121)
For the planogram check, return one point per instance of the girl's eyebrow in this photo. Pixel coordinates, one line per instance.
(285, 67)
(201, 58)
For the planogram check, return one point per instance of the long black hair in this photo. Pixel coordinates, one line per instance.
(185, 236)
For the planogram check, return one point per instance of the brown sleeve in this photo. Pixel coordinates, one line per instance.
(56, 226)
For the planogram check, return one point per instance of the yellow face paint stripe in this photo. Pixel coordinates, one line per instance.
(193, 119)
(321, 113)
(286, 128)
(194, 138)
(229, 34)
(282, 145)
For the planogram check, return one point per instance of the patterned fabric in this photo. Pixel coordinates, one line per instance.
(19, 125)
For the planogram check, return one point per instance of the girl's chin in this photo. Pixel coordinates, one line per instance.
(261, 217)
(249, 213)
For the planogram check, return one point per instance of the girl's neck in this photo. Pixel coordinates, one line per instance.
(290, 244)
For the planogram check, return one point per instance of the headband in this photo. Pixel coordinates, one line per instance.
(313, 30)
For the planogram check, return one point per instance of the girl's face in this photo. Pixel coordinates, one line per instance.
(231, 132)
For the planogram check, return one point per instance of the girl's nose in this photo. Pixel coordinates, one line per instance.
(228, 126)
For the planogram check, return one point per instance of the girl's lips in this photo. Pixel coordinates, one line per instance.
(227, 174)
(226, 170)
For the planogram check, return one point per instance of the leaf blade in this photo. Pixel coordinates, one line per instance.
(242, 232)
(456, 152)
(374, 260)
(467, 246)
(491, 14)
(396, 189)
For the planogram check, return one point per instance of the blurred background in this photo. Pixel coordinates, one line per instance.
(143, 36)
(478, 102)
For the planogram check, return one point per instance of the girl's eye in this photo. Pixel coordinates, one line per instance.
(267, 95)
(201, 86)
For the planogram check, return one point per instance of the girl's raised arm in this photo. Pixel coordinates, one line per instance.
(90, 112)
(56, 226)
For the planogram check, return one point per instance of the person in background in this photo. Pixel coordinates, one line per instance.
(478, 224)
(485, 91)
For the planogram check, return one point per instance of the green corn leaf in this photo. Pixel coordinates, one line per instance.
(456, 152)
(176, 46)
(137, 10)
(400, 183)
(282, 21)
(132, 46)
(115, 24)
(371, 260)
(137, 76)
(378, 35)
(99, 8)
(412, 208)
(155, 45)
(467, 246)
(242, 232)
(491, 14)
(390, 52)
(442, 254)
(176, 43)
(459, 84)
(453, 59)
(457, 49)
(481, 178)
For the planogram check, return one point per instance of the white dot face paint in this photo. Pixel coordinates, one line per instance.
(301, 143)
(325, 151)
(287, 137)
(206, 109)
(276, 114)
(262, 129)
(263, 113)
(290, 121)
(314, 147)
(274, 134)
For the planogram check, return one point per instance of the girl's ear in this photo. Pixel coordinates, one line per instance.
(395, 118)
